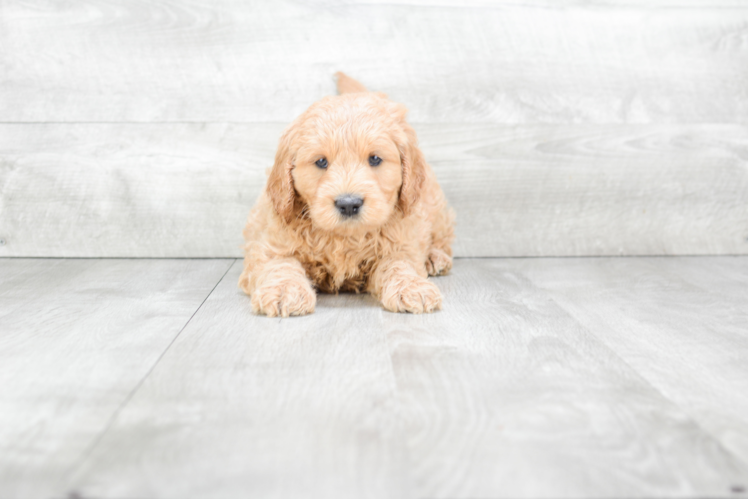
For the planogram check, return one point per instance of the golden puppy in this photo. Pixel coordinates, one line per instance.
(350, 204)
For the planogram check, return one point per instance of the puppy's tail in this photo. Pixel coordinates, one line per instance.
(346, 84)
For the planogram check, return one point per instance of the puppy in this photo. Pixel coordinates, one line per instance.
(350, 205)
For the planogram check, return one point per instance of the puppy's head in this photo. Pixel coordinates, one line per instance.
(349, 163)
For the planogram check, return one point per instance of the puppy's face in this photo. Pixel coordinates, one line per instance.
(347, 160)
(348, 172)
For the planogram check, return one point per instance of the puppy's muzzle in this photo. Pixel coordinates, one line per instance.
(348, 204)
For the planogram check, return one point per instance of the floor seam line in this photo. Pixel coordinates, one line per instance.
(87, 452)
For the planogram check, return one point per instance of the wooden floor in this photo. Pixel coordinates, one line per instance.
(541, 377)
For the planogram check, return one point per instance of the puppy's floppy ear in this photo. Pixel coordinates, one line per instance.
(412, 160)
(280, 187)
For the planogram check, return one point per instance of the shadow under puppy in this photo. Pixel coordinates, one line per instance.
(350, 205)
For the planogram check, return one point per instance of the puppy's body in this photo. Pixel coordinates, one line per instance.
(301, 236)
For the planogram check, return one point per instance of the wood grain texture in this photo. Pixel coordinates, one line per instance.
(76, 339)
(252, 406)
(184, 190)
(123, 190)
(506, 395)
(450, 62)
(682, 323)
(501, 394)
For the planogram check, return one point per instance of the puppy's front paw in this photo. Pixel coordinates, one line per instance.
(438, 262)
(291, 297)
(411, 294)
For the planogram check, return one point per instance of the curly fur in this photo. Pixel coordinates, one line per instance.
(297, 241)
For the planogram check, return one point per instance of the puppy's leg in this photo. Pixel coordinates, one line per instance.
(438, 262)
(400, 288)
(279, 287)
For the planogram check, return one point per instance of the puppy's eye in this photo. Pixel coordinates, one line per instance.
(321, 163)
(374, 160)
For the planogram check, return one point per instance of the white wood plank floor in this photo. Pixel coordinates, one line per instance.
(76, 337)
(541, 377)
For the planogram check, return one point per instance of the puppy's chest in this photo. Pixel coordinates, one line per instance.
(331, 279)
(339, 267)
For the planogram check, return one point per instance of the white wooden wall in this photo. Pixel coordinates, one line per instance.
(144, 128)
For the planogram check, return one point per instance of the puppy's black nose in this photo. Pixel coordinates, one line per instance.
(349, 204)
